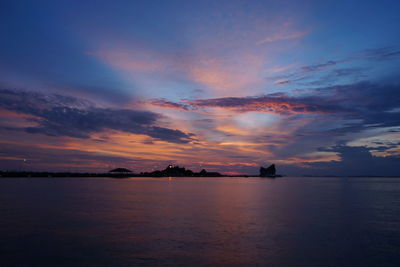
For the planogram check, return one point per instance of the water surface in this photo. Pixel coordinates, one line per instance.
(200, 221)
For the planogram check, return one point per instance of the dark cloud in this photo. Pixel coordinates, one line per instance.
(346, 72)
(369, 108)
(318, 67)
(279, 104)
(302, 73)
(57, 115)
(293, 80)
(369, 103)
(357, 161)
(383, 53)
(170, 135)
(168, 104)
(331, 77)
(310, 72)
(283, 82)
(333, 113)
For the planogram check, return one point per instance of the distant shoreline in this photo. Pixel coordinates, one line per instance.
(7, 174)
(12, 174)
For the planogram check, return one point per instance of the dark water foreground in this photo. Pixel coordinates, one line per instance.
(200, 222)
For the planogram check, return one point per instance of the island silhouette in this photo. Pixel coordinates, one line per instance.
(169, 171)
(269, 172)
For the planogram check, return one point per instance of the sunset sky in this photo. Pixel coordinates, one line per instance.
(312, 86)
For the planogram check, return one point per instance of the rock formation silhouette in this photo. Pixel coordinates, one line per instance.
(268, 172)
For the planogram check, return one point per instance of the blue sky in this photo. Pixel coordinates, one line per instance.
(225, 85)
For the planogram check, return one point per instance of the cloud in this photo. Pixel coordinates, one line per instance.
(282, 37)
(367, 105)
(357, 161)
(318, 67)
(347, 72)
(382, 53)
(373, 104)
(309, 73)
(312, 118)
(225, 75)
(57, 115)
(279, 104)
(367, 112)
(168, 104)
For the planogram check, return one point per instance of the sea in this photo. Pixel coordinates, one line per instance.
(238, 221)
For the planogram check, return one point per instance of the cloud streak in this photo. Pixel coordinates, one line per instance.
(278, 104)
(57, 115)
(282, 37)
(360, 100)
(304, 74)
(168, 104)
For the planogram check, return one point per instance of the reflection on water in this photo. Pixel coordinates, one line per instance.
(200, 221)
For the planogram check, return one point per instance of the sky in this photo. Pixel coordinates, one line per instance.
(229, 86)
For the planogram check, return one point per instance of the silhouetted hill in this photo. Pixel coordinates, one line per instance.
(120, 170)
(176, 171)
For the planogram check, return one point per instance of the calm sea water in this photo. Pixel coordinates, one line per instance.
(200, 222)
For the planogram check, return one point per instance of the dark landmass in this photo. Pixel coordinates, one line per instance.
(120, 170)
(176, 171)
(17, 174)
(269, 172)
(170, 171)
(351, 176)
(28, 174)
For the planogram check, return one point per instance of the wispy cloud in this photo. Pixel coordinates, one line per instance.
(320, 66)
(309, 73)
(168, 104)
(278, 103)
(282, 37)
(382, 53)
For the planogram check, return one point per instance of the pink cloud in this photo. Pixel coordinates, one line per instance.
(228, 75)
